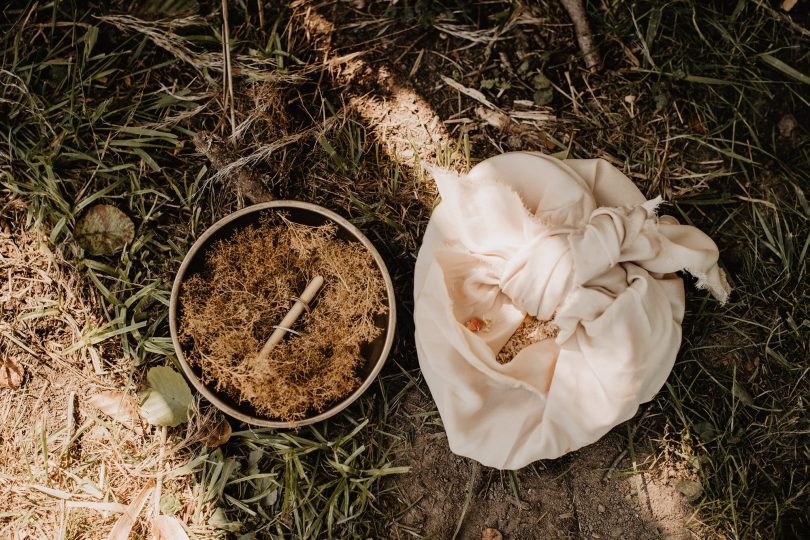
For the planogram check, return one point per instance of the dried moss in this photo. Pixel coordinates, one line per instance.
(248, 284)
(531, 330)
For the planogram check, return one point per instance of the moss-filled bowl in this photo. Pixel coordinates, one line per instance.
(373, 354)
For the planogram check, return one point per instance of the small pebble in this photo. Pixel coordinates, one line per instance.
(601, 509)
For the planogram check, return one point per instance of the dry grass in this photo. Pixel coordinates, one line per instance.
(68, 470)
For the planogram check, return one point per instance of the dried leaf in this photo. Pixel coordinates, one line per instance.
(495, 119)
(11, 374)
(491, 534)
(786, 69)
(690, 489)
(739, 391)
(217, 433)
(706, 431)
(170, 504)
(469, 92)
(787, 125)
(168, 398)
(119, 406)
(168, 528)
(115, 508)
(123, 526)
(57, 493)
(220, 520)
(104, 230)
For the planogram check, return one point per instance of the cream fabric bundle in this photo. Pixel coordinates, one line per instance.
(574, 241)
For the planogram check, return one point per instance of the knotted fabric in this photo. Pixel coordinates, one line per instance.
(570, 241)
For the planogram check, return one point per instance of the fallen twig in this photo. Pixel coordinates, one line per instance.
(582, 29)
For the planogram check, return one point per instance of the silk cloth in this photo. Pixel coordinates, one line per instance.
(571, 241)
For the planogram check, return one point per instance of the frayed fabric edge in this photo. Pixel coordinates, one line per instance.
(719, 287)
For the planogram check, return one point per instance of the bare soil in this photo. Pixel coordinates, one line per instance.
(582, 495)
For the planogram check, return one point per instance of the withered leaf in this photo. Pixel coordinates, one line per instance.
(168, 528)
(491, 534)
(11, 374)
(739, 391)
(123, 526)
(119, 406)
(217, 433)
(691, 489)
(543, 90)
(104, 230)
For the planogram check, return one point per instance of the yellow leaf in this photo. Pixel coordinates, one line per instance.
(119, 406)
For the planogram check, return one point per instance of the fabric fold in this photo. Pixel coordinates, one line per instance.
(573, 241)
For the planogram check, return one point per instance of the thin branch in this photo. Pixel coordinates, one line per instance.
(582, 29)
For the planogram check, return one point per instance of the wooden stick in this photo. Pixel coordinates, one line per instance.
(582, 29)
(291, 316)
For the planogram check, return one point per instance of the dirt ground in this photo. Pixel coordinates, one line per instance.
(587, 494)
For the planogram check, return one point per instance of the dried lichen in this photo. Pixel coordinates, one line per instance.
(247, 286)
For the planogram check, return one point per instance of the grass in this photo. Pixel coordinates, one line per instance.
(688, 105)
(94, 114)
(735, 400)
